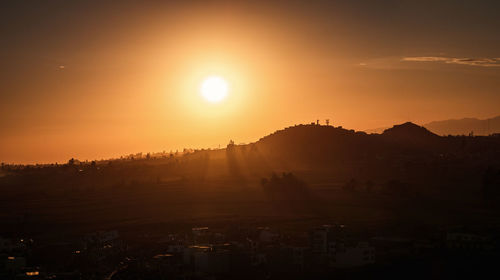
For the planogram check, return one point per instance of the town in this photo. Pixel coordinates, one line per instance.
(246, 253)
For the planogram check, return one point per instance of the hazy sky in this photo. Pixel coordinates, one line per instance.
(101, 79)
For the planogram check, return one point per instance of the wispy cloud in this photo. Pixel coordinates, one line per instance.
(483, 62)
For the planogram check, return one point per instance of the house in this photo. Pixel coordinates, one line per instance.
(201, 235)
(14, 264)
(359, 255)
(323, 239)
(101, 238)
(389, 247)
(212, 261)
(298, 255)
(175, 248)
(6, 244)
(467, 241)
(189, 252)
(258, 259)
(267, 236)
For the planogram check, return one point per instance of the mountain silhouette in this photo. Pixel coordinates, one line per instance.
(465, 126)
(457, 127)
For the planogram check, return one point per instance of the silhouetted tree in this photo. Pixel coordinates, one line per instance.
(231, 144)
(288, 186)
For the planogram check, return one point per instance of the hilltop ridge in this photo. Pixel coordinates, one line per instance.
(408, 129)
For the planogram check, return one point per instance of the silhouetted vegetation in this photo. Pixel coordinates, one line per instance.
(285, 187)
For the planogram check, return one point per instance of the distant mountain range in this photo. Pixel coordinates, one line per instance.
(465, 126)
(458, 126)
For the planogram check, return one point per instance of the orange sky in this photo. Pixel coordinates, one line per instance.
(91, 80)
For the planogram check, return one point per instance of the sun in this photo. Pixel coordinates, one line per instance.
(214, 89)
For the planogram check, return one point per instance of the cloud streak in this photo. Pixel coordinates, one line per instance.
(482, 62)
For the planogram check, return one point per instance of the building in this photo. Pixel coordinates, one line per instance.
(267, 236)
(467, 241)
(323, 239)
(359, 255)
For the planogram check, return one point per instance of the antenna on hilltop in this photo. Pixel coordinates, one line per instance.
(327, 121)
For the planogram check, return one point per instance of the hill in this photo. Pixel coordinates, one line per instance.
(408, 130)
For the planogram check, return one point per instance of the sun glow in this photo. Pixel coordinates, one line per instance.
(214, 89)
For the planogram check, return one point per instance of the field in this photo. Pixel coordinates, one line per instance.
(221, 202)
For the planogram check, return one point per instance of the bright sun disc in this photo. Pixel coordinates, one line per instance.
(214, 89)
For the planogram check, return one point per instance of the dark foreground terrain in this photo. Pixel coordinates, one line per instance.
(306, 202)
